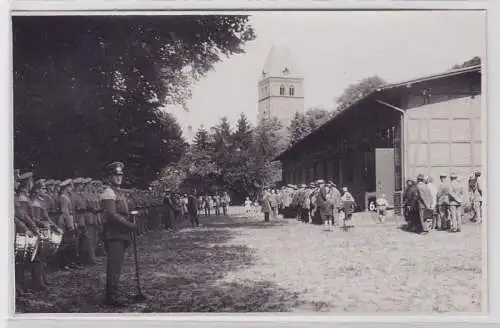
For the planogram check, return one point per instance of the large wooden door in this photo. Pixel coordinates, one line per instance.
(384, 173)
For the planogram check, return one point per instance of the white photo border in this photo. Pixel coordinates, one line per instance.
(491, 83)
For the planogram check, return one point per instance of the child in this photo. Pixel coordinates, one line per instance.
(256, 207)
(248, 205)
(381, 204)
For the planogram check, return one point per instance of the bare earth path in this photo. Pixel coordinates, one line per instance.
(241, 264)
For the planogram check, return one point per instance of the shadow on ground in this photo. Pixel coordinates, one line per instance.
(240, 221)
(179, 273)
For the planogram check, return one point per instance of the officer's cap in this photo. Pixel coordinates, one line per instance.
(25, 176)
(65, 183)
(453, 175)
(420, 177)
(115, 168)
(443, 175)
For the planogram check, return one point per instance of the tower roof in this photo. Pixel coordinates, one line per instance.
(280, 63)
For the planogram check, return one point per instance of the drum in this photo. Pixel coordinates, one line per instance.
(33, 243)
(55, 240)
(44, 241)
(20, 247)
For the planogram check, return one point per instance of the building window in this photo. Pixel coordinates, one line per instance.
(291, 90)
(282, 90)
(265, 91)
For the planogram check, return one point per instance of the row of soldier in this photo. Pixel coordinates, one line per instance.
(75, 209)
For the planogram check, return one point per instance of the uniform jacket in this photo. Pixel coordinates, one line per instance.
(456, 193)
(114, 229)
(443, 194)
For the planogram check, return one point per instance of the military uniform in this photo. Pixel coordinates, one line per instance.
(456, 199)
(476, 197)
(116, 231)
(66, 221)
(22, 211)
(40, 215)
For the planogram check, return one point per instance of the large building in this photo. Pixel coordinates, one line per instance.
(427, 125)
(281, 87)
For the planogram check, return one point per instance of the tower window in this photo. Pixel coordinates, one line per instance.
(291, 90)
(265, 92)
(282, 90)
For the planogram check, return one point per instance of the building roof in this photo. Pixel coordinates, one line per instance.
(427, 78)
(385, 87)
(280, 63)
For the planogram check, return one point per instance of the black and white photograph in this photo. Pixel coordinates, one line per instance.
(302, 162)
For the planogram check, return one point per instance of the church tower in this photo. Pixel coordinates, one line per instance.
(281, 87)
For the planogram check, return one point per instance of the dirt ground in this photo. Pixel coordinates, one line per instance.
(241, 264)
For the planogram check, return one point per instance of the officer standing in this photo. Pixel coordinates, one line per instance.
(117, 230)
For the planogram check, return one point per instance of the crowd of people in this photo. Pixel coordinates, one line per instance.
(319, 202)
(428, 207)
(76, 210)
(214, 203)
(424, 205)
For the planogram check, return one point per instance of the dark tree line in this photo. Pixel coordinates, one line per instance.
(89, 89)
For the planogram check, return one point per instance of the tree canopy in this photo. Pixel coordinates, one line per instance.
(357, 91)
(89, 89)
(471, 62)
(236, 159)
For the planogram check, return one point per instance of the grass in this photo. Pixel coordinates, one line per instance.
(240, 264)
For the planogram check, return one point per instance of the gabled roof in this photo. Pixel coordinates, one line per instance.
(385, 87)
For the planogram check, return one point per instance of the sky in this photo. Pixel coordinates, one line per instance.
(333, 50)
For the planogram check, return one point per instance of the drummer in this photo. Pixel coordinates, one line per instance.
(39, 214)
(24, 214)
(20, 228)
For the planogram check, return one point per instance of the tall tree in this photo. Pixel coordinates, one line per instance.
(242, 136)
(296, 129)
(318, 116)
(357, 91)
(201, 140)
(87, 89)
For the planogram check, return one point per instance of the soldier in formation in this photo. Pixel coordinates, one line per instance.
(91, 218)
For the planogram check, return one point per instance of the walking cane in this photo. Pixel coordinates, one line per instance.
(139, 296)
